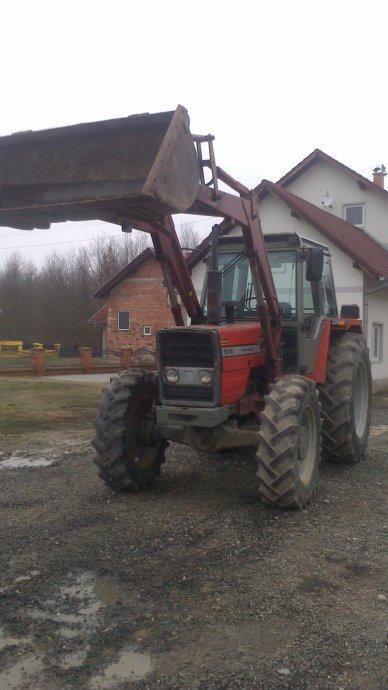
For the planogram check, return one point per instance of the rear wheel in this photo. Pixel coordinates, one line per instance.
(346, 398)
(127, 454)
(289, 448)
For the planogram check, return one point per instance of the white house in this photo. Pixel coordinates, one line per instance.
(325, 201)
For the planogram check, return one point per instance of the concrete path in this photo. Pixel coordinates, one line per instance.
(80, 378)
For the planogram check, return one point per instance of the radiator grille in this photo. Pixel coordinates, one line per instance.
(187, 348)
(194, 393)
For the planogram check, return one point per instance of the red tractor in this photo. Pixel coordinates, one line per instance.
(266, 361)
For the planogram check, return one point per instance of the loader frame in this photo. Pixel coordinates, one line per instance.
(241, 210)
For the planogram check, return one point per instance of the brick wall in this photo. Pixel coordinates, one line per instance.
(145, 297)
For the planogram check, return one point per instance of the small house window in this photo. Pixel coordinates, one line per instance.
(355, 214)
(123, 320)
(377, 342)
(147, 330)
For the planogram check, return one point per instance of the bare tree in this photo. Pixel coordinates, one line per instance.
(54, 303)
(107, 258)
(188, 236)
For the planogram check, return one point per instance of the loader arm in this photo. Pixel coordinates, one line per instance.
(137, 172)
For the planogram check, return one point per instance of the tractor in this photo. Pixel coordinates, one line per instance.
(262, 360)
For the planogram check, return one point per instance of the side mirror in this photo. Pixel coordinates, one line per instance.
(314, 264)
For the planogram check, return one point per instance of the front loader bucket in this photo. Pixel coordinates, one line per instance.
(142, 166)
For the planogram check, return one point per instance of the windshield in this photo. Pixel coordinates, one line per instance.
(237, 281)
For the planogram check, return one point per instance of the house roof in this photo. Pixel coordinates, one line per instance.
(101, 316)
(124, 273)
(362, 248)
(314, 156)
(369, 254)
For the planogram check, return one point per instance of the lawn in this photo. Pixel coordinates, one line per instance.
(27, 405)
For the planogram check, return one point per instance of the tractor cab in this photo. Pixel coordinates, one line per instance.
(301, 270)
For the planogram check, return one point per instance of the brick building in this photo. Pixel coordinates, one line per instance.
(136, 305)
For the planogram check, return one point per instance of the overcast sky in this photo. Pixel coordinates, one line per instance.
(272, 80)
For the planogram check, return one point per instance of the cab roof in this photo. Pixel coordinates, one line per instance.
(278, 239)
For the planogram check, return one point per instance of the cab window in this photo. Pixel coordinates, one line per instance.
(329, 299)
(237, 284)
(311, 302)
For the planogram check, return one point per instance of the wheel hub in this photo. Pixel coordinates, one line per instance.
(307, 442)
(143, 448)
(360, 399)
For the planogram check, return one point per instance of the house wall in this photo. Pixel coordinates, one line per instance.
(376, 311)
(144, 296)
(343, 188)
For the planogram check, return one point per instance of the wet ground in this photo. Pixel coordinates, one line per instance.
(192, 585)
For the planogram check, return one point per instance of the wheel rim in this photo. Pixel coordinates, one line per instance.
(307, 445)
(360, 399)
(143, 452)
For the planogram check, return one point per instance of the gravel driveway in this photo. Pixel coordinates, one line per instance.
(192, 585)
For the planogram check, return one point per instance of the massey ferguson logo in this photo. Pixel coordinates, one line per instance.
(239, 350)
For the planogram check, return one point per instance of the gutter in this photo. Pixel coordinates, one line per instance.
(383, 284)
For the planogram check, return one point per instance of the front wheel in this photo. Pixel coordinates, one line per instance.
(127, 454)
(288, 453)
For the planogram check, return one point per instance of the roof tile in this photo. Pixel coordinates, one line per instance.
(101, 316)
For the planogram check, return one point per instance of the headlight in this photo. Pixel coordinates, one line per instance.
(205, 377)
(171, 375)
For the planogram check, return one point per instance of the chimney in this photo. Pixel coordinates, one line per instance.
(378, 176)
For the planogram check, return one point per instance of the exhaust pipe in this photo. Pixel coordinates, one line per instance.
(214, 282)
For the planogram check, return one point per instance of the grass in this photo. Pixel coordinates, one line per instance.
(27, 405)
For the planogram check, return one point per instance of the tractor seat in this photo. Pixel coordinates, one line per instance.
(286, 308)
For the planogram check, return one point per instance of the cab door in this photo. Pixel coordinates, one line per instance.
(310, 320)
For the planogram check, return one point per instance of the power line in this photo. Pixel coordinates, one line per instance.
(86, 227)
(53, 244)
(86, 239)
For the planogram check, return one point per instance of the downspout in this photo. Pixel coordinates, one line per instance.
(384, 284)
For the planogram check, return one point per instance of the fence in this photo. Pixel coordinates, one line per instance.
(104, 356)
(41, 362)
(9, 360)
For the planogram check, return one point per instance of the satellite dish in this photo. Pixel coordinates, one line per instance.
(327, 201)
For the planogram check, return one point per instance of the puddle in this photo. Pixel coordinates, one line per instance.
(83, 596)
(24, 672)
(16, 461)
(76, 605)
(131, 665)
(378, 430)
(9, 641)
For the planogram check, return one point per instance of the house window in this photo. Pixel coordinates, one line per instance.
(146, 330)
(123, 320)
(377, 342)
(355, 214)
